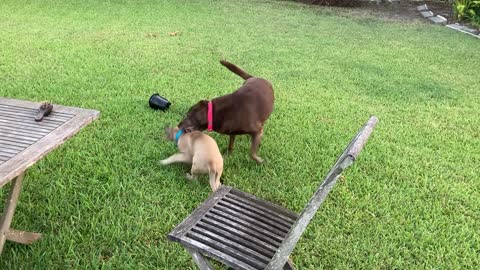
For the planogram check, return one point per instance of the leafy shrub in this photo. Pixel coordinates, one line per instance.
(468, 10)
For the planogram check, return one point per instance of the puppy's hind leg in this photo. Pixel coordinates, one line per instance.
(214, 179)
(178, 157)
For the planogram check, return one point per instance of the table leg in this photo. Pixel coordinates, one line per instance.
(5, 232)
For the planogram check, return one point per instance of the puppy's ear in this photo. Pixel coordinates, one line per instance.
(168, 132)
(188, 129)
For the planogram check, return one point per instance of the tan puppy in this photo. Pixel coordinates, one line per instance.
(197, 149)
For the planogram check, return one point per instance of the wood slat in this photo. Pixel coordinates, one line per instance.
(24, 131)
(242, 231)
(262, 207)
(25, 120)
(8, 150)
(20, 133)
(17, 138)
(32, 114)
(6, 154)
(29, 126)
(179, 231)
(257, 231)
(10, 141)
(238, 237)
(264, 203)
(220, 256)
(242, 213)
(238, 247)
(4, 145)
(265, 213)
(35, 109)
(2, 158)
(224, 249)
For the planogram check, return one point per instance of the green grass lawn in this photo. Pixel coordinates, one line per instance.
(102, 201)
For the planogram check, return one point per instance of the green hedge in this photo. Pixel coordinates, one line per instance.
(468, 10)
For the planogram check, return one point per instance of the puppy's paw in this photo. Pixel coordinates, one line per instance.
(163, 162)
(190, 177)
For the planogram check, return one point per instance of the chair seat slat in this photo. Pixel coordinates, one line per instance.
(239, 237)
(216, 254)
(262, 212)
(215, 244)
(243, 226)
(239, 246)
(242, 213)
(265, 203)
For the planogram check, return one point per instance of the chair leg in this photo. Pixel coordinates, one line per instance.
(9, 210)
(5, 232)
(289, 265)
(201, 261)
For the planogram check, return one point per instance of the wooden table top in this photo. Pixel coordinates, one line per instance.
(23, 141)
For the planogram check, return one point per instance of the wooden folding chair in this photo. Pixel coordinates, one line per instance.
(245, 232)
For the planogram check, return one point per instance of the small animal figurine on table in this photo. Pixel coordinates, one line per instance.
(44, 110)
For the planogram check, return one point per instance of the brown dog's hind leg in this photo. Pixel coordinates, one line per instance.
(256, 138)
(230, 143)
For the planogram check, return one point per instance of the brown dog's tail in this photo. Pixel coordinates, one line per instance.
(240, 72)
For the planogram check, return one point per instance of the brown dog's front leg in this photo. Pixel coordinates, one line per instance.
(254, 147)
(230, 143)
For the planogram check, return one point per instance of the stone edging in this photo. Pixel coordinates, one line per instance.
(423, 9)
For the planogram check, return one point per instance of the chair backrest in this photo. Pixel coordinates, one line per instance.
(345, 160)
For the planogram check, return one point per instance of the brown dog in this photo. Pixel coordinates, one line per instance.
(197, 149)
(241, 112)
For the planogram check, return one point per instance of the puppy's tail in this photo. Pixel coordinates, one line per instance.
(240, 72)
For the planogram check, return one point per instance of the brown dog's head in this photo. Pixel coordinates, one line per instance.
(170, 132)
(196, 118)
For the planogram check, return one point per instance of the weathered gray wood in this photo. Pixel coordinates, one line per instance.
(34, 149)
(345, 160)
(213, 244)
(266, 213)
(243, 226)
(216, 254)
(269, 205)
(238, 237)
(9, 210)
(198, 258)
(252, 220)
(22, 237)
(193, 218)
(26, 125)
(255, 205)
(243, 213)
(244, 252)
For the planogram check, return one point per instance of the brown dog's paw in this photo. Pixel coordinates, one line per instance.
(258, 159)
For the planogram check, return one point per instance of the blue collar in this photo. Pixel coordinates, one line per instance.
(177, 135)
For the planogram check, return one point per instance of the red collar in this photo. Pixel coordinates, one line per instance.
(210, 117)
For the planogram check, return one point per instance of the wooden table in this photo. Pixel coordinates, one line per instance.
(23, 142)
